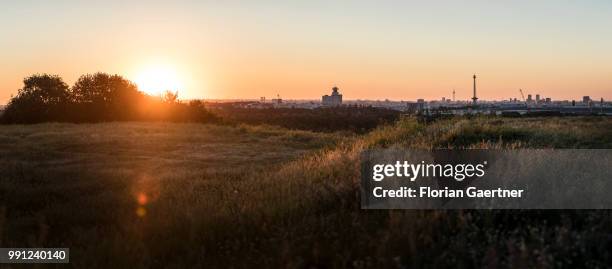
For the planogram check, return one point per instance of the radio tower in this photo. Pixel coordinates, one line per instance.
(474, 98)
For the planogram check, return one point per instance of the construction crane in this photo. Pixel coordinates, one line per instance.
(522, 95)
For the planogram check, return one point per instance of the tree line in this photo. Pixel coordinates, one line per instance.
(96, 97)
(102, 97)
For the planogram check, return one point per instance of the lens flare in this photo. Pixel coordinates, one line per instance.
(141, 212)
(142, 199)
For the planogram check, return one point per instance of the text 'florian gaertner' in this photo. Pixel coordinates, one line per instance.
(458, 172)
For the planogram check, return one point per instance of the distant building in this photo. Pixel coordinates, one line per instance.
(474, 98)
(537, 98)
(548, 100)
(586, 99)
(529, 100)
(416, 107)
(278, 100)
(420, 104)
(335, 99)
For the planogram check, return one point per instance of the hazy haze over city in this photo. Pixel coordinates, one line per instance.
(401, 50)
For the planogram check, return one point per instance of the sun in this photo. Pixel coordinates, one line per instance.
(155, 80)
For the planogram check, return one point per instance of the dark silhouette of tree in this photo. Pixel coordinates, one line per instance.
(199, 113)
(42, 98)
(101, 96)
(170, 97)
(100, 88)
(95, 98)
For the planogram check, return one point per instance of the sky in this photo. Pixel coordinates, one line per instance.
(398, 50)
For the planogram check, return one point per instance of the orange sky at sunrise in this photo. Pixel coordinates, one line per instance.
(245, 50)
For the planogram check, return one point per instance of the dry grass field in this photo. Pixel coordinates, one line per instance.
(119, 189)
(144, 195)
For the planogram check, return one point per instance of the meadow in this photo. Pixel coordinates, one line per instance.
(177, 195)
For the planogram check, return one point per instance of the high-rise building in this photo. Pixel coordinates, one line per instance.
(537, 98)
(586, 99)
(529, 100)
(420, 104)
(335, 99)
(474, 98)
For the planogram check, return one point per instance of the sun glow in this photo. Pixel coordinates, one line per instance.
(155, 80)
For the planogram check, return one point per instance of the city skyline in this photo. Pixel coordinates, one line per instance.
(387, 50)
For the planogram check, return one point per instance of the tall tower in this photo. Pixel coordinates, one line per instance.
(453, 95)
(474, 98)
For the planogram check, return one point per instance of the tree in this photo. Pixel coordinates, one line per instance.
(94, 98)
(106, 97)
(101, 88)
(170, 97)
(43, 98)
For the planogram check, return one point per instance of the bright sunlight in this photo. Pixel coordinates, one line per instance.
(155, 80)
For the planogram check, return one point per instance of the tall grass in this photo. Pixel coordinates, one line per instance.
(246, 196)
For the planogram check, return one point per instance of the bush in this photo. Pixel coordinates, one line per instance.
(96, 98)
(42, 98)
